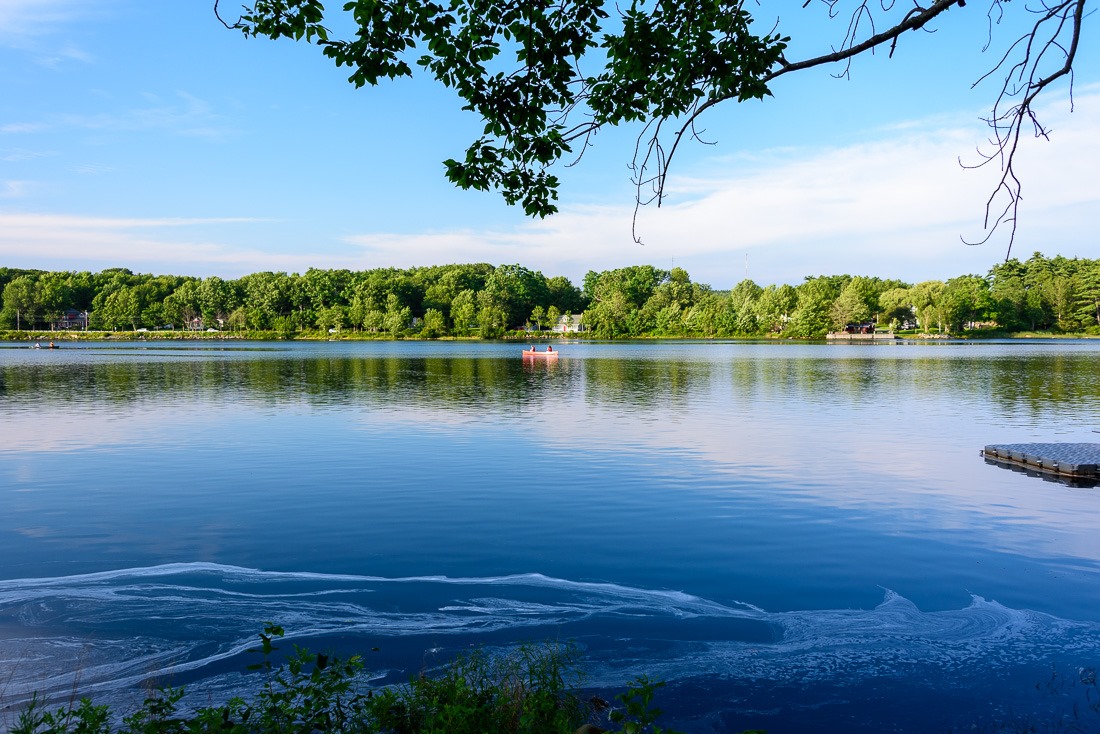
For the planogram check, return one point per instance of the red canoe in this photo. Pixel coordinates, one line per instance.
(532, 354)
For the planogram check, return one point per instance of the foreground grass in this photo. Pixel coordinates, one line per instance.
(533, 691)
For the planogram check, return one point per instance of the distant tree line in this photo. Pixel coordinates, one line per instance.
(1041, 294)
(430, 302)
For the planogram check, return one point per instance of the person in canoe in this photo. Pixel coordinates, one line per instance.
(549, 348)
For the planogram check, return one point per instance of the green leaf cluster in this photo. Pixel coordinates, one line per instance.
(523, 68)
(535, 690)
(668, 59)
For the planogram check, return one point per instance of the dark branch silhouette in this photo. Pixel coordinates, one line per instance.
(1056, 31)
(661, 65)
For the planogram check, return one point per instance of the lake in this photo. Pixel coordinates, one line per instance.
(795, 536)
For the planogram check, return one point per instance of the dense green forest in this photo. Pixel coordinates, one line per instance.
(1041, 294)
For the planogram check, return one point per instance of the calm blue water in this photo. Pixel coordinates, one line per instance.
(797, 537)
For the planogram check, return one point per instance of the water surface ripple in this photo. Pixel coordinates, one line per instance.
(797, 537)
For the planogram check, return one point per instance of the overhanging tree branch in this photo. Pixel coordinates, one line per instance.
(915, 19)
(1024, 82)
(530, 69)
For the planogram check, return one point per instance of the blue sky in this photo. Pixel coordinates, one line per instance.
(145, 135)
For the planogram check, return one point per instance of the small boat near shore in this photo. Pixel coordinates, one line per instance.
(533, 354)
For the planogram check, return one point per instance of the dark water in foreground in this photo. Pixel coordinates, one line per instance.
(796, 537)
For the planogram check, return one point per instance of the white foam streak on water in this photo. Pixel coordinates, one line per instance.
(106, 632)
(897, 639)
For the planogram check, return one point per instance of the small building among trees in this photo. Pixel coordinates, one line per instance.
(859, 327)
(72, 319)
(569, 324)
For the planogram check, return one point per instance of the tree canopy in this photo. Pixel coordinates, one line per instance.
(547, 76)
(1048, 294)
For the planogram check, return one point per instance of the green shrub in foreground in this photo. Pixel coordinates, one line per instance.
(533, 691)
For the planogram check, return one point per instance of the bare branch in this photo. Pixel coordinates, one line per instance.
(911, 22)
(1012, 110)
(666, 70)
(217, 14)
(915, 19)
(1055, 32)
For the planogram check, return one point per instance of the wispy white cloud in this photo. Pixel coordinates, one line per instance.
(45, 224)
(894, 206)
(168, 245)
(23, 127)
(12, 189)
(17, 155)
(66, 53)
(182, 114)
(91, 169)
(28, 17)
(24, 23)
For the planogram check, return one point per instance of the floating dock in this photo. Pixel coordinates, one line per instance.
(1076, 461)
(878, 336)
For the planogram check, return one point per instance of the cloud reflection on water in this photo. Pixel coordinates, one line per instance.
(888, 430)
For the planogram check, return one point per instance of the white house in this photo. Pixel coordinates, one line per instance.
(569, 324)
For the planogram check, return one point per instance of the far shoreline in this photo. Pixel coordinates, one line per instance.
(12, 335)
